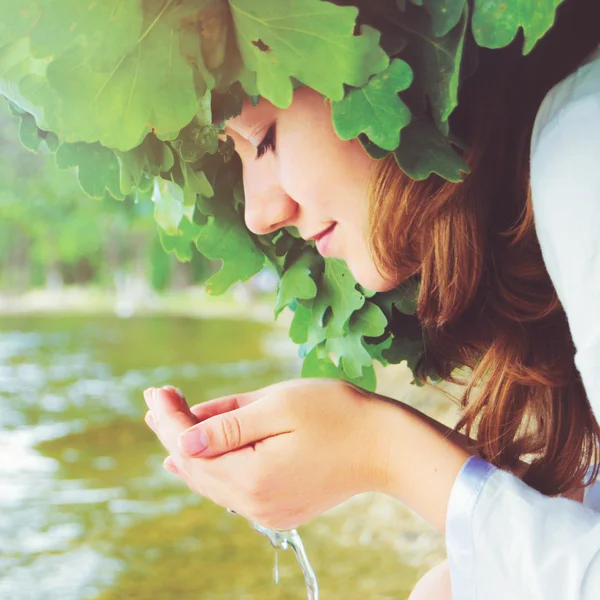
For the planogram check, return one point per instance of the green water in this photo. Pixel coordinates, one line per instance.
(86, 510)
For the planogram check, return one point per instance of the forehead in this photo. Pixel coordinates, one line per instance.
(251, 119)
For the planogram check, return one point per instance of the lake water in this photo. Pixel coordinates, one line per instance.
(86, 510)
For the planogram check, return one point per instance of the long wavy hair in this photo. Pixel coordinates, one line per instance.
(486, 301)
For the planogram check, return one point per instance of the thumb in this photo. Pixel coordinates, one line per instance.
(235, 429)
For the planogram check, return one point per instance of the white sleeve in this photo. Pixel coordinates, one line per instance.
(565, 184)
(504, 539)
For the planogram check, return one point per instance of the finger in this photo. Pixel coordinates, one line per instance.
(218, 406)
(169, 465)
(148, 397)
(236, 429)
(202, 483)
(172, 416)
(150, 420)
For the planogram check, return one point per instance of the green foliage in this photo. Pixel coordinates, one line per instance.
(496, 22)
(97, 168)
(225, 238)
(424, 150)
(280, 40)
(445, 14)
(298, 280)
(134, 94)
(376, 109)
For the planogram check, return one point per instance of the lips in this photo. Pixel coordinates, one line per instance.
(323, 239)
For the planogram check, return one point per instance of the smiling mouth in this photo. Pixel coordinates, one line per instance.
(317, 237)
(323, 240)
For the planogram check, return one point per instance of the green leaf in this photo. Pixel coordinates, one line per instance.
(436, 63)
(29, 134)
(298, 281)
(284, 40)
(300, 326)
(327, 314)
(377, 348)
(424, 150)
(195, 183)
(410, 33)
(376, 109)
(407, 342)
(169, 208)
(52, 142)
(226, 238)
(97, 168)
(142, 164)
(496, 22)
(348, 349)
(445, 14)
(19, 72)
(18, 17)
(369, 320)
(182, 243)
(150, 89)
(196, 140)
(229, 242)
(403, 298)
(337, 292)
(317, 364)
(111, 29)
(214, 28)
(151, 86)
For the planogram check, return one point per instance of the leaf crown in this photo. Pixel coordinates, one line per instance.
(134, 95)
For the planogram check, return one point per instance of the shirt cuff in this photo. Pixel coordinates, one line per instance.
(459, 540)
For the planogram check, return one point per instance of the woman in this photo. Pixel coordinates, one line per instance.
(281, 456)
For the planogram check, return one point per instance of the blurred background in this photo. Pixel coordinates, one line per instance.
(92, 312)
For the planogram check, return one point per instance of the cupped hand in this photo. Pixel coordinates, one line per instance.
(278, 456)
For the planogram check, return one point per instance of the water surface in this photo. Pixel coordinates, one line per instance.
(86, 510)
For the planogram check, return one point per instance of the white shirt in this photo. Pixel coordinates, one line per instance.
(506, 541)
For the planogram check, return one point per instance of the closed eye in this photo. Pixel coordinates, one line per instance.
(268, 142)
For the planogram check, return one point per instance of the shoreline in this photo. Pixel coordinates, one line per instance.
(238, 303)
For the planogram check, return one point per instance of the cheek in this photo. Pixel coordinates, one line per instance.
(331, 184)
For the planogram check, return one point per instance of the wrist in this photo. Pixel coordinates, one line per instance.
(415, 462)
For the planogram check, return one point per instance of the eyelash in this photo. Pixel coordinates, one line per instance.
(268, 142)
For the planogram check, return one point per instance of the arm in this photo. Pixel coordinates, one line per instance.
(419, 457)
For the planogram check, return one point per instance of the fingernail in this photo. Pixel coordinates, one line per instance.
(170, 467)
(172, 388)
(194, 442)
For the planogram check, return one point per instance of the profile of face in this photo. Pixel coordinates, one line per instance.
(299, 173)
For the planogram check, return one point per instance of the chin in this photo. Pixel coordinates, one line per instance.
(373, 280)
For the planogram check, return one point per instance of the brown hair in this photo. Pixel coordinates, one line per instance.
(486, 300)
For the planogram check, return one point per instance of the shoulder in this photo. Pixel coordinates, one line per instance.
(575, 97)
(565, 146)
(565, 190)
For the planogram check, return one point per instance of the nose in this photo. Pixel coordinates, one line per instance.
(268, 206)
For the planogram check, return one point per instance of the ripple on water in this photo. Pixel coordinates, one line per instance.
(86, 510)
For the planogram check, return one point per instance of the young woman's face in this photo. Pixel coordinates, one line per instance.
(298, 173)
